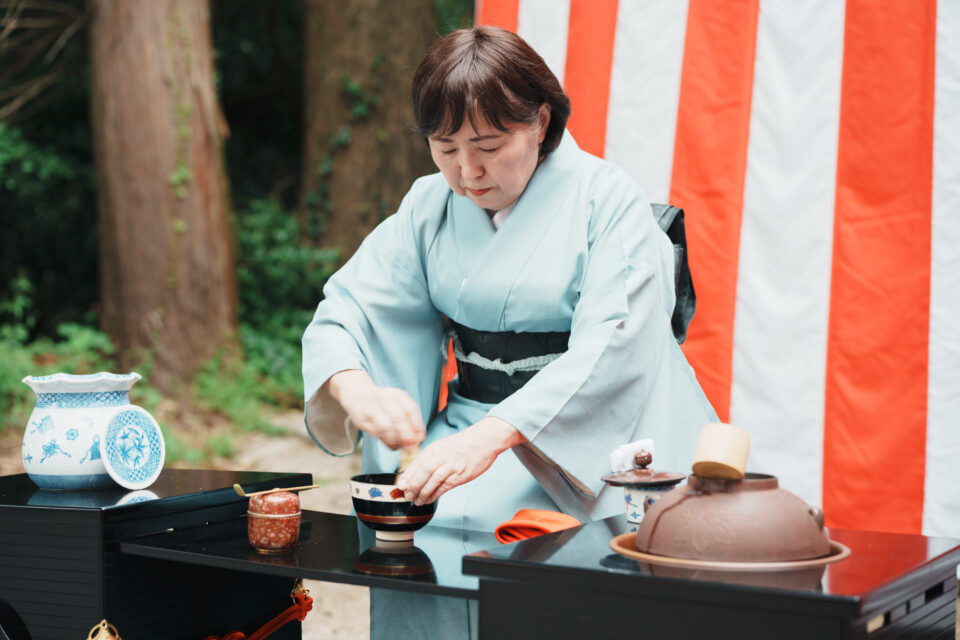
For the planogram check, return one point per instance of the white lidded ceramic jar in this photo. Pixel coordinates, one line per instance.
(81, 421)
(642, 486)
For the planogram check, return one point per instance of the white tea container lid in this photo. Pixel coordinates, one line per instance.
(132, 448)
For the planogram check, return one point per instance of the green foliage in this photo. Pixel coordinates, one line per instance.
(176, 450)
(318, 201)
(178, 180)
(16, 312)
(80, 349)
(362, 101)
(26, 169)
(235, 389)
(274, 353)
(16, 401)
(454, 14)
(48, 226)
(75, 349)
(280, 280)
(274, 270)
(258, 51)
(341, 138)
(259, 70)
(179, 451)
(221, 446)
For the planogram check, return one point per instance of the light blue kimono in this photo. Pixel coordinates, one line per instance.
(580, 252)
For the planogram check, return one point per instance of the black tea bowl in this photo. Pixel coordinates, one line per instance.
(382, 507)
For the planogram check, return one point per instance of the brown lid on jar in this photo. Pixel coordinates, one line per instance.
(643, 478)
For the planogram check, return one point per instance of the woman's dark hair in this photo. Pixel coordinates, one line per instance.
(489, 73)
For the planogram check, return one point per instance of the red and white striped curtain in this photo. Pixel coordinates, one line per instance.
(815, 147)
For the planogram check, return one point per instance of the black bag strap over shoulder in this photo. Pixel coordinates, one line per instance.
(670, 220)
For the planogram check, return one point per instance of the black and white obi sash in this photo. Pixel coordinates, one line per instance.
(492, 365)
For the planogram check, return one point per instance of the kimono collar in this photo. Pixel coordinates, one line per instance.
(490, 260)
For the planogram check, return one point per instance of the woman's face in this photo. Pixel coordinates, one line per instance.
(489, 166)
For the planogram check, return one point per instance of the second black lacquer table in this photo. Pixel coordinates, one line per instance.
(572, 585)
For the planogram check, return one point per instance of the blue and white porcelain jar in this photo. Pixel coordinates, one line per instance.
(62, 446)
(642, 486)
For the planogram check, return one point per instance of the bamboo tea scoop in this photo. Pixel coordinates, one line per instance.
(406, 457)
(243, 493)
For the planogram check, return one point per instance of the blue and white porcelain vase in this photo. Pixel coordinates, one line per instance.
(62, 442)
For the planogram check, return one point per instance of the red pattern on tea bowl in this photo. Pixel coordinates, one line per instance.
(382, 507)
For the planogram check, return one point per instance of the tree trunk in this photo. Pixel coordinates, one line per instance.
(167, 279)
(360, 151)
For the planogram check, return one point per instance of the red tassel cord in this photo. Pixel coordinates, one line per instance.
(302, 603)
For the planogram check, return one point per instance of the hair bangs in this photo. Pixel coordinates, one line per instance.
(469, 91)
(483, 76)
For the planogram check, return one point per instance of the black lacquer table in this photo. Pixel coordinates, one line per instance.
(572, 585)
(332, 548)
(61, 569)
(173, 561)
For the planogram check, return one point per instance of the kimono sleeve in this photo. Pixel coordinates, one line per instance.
(376, 316)
(591, 399)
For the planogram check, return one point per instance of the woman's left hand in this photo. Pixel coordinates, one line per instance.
(457, 459)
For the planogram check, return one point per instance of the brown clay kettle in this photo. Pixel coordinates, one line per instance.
(728, 520)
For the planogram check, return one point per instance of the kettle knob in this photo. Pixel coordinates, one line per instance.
(817, 514)
(642, 459)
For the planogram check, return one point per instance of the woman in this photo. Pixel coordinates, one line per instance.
(557, 284)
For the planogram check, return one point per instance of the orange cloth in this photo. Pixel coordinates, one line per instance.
(530, 523)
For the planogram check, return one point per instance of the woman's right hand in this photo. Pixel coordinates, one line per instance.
(388, 414)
